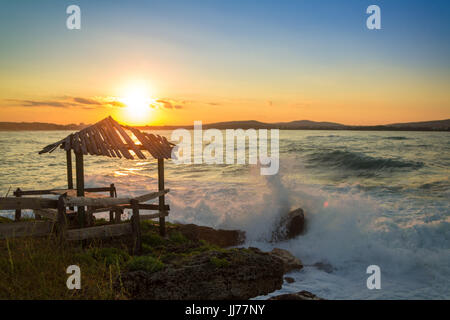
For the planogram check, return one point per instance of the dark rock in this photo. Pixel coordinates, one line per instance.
(290, 226)
(289, 279)
(290, 262)
(221, 238)
(324, 266)
(212, 275)
(302, 295)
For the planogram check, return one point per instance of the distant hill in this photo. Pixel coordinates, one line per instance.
(433, 125)
(438, 125)
(31, 126)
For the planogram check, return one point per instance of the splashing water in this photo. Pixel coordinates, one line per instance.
(369, 198)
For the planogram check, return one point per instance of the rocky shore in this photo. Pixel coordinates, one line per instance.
(189, 272)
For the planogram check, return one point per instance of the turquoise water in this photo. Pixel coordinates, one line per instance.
(370, 198)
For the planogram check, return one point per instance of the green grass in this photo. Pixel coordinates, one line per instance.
(219, 263)
(35, 268)
(145, 263)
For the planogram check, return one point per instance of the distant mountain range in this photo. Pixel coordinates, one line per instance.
(438, 125)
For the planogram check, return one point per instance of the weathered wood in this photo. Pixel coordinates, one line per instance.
(68, 143)
(111, 230)
(109, 202)
(25, 229)
(69, 170)
(118, 215)
(107, 137)
(104, 137)
(152, 195)
(61, 218)
(82, 136)
(112, 194)
(12, 203)
(96, 202)
(127, 139)
(76, 143)
(18, 213)
(51, 214)
(161, 200)
(136, 227)
(141, 137)
(59, 191)
(145, 206)
(106, 131)
(80, 186)
(117, 140)
(153, 215)
(142, 206)
(100, 143)
(89, 145)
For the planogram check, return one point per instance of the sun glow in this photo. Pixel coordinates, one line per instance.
(138, 103)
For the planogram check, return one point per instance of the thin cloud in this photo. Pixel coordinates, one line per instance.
(86, 100)
(167, 104)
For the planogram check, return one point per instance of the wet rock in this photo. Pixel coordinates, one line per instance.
(324, 266)
(290, 262)
(212, 275)
(289, 279)
(221, 238)
(290, 226)
(302, 295)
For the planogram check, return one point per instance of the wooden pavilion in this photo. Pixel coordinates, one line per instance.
(109, 138)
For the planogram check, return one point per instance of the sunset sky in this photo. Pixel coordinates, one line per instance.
(173, 62)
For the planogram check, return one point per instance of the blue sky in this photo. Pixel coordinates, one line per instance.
(291, 50)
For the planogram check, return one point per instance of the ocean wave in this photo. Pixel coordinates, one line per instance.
(359, 161)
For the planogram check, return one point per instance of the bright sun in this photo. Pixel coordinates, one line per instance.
(138, 104)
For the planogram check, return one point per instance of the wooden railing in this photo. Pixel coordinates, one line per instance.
(55, 210)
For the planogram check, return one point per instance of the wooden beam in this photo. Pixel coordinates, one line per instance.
(80, 186)
(12, 203)
(153, 215)
(127, 138)
(111, 230)
(112, 194)
(69, 169)
(62, 218)
(152, 195)
(18, 213)
(109, 202)
(136, 227)
(161, 200)
(25, 229)
(142, 206)
(51, 214)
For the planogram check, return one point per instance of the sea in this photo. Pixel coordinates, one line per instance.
(370, 198)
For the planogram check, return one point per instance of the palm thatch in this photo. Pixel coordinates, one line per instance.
(108, 138)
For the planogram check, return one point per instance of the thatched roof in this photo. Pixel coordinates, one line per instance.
(108, 138)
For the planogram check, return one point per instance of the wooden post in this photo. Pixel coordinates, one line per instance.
(18, 213)
(80, 186)
(111, 194)
(69, 171)
(135, 222)
(162, 219)
(61, 219)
